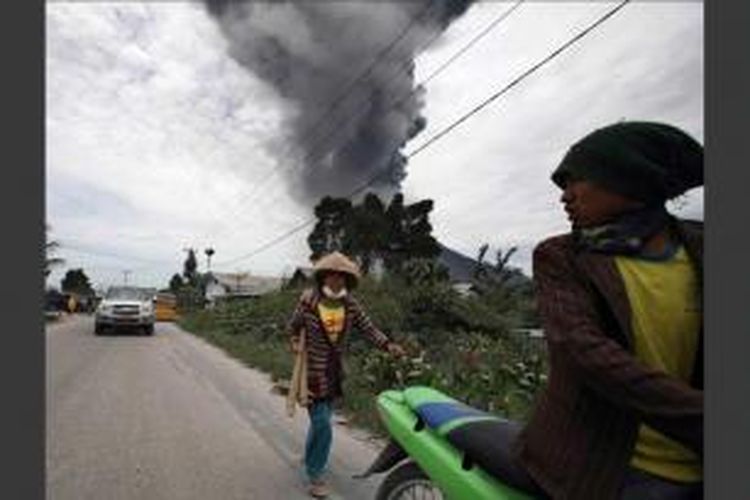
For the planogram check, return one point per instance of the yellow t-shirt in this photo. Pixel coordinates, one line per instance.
(332, 316)
(666, 323)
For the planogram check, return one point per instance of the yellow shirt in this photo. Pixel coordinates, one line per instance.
(666, 322)
(332, 316)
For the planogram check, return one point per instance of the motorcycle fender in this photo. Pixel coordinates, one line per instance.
(391, 455)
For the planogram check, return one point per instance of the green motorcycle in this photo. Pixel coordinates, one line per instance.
(446, 442)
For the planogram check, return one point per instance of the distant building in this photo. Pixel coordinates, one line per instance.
(232, 286)
(463, 289)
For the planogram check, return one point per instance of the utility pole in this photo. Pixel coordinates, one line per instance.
(209, 253)
(125, 274)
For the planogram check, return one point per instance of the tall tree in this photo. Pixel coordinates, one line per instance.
(420, 242)
(396, 251)
(49, 259)
(492, 276)
(332, 232)
(409, 232)
(190, 268)
(369, 231)
(176, 283)
(75, 280)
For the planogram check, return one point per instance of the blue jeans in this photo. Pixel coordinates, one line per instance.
(319, 438)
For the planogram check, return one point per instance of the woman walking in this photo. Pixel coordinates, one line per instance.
(325, 315)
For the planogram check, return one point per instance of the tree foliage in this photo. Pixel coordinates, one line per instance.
(455, 343)
(331, 232)
(504, 288)
(190, 268)
(372, 232)
(49, 258)
(176, 283)
(75, 280)
(488, 275)
(369, 231)
(409, 233)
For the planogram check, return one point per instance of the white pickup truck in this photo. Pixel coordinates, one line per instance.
(125, 307)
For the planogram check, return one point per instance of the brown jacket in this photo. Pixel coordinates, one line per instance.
(324, 369)
(580, 438)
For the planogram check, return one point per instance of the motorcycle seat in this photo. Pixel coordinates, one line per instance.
(440, 412)
(481, 437)
(441, 416)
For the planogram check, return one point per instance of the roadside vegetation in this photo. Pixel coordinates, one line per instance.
(468, 347)
(473, 346)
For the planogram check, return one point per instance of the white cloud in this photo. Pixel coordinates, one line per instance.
(490, 177)
(157, 140)
(158, 117)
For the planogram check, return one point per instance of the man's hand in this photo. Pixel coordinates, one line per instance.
(396, 350)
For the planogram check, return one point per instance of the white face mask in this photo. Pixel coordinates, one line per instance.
(333, 295)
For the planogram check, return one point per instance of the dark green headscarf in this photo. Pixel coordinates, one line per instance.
(645, 161)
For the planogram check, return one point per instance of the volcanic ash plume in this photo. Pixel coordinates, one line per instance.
(352, 117)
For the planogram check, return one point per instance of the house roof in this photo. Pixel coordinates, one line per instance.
(246, 283)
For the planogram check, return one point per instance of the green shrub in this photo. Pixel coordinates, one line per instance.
(462, 346)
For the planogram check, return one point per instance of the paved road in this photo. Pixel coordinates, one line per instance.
(171, 417)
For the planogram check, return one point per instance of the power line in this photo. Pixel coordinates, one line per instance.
(473, 42)
(452, 126)
(378, 57)
(518, 79)
(348, 89)
(491, 26)
(452, 59)
(84, 251)
(397, 101)
(449, 128)
(364, 105)
(268, 244)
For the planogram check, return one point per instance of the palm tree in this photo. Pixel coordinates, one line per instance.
(49, 260)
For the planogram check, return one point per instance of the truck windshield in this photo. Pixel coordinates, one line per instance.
(122, 293)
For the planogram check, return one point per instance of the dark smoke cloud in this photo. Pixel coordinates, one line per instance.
(310, 52)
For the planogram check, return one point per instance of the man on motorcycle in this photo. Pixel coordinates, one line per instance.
(325, 315)
(620, 302)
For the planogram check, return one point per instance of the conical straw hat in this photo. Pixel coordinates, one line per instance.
(338, 262)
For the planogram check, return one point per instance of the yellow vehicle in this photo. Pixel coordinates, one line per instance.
(165, 307)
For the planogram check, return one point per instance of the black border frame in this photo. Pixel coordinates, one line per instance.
(727, 286)
(22, 375)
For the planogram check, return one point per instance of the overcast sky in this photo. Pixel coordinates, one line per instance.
(156, 137)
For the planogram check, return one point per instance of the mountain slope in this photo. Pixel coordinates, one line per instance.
(460, 267)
